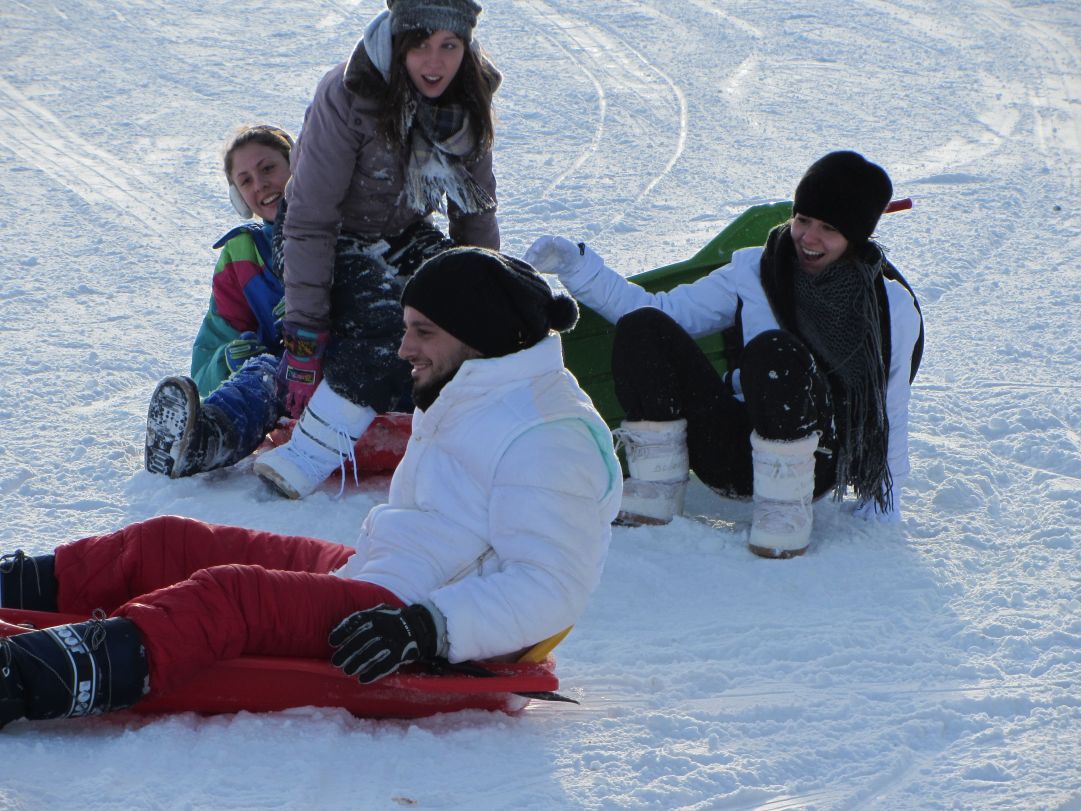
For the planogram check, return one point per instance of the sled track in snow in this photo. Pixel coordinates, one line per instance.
(41, 140)
(642, 114)
(1053, 88)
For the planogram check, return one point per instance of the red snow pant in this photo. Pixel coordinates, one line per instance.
(200, 593)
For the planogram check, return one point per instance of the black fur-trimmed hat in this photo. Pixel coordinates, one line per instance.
(457, 16)
(847, 191)
(490, 301)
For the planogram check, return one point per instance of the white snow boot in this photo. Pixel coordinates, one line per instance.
(784, 478)
(657, 468)
(323, 439)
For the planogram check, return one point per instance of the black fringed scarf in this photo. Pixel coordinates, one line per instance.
(836, 314)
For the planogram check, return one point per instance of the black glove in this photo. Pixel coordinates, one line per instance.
(376, 642)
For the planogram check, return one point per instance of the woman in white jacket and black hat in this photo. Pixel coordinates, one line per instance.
(827, 334)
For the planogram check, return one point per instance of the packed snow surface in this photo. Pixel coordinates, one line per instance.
(932, 665)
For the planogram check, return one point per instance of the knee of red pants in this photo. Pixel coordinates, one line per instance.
(234, 610)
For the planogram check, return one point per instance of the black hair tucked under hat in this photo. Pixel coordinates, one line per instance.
(490, 301)
(847, 191)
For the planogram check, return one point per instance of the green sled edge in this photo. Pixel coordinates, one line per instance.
(587, 349)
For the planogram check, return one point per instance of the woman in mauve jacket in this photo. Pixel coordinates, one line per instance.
(399, 131)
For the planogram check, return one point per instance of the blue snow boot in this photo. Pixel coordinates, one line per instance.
(250, 403)
(27, 582)
(86, 668)
(180, 437)
(184, 436)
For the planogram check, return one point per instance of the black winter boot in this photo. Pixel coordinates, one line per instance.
(86, 668)
(182, 437)
(27, 582)
(12, 705)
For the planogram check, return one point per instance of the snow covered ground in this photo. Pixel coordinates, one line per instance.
(935, 665)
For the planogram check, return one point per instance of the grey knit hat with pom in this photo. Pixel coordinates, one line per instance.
(490, 301)
(457, 16)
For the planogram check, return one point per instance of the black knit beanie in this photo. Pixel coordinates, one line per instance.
(490, 301)
(457, 16)
(845, 190)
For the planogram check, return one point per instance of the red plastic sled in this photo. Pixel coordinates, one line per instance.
(270, 684)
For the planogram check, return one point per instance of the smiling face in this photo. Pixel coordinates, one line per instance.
(433, 63)
(818, 244)
(259, 173)
(434, 354)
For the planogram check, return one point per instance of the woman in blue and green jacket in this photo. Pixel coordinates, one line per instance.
(238, 349)
(244, 316)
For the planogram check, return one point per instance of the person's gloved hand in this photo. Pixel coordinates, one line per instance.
(301, 366)
(376, 642)
(870, 511)
(244, 346)
(556, 255)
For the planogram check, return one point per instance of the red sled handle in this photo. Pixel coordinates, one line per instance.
(903, 204)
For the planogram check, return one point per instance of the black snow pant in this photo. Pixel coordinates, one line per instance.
(661, 374)
(362, 362)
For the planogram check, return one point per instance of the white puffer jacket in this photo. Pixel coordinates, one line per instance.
(500, 512)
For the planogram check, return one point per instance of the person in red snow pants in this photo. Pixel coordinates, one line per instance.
(495, 529)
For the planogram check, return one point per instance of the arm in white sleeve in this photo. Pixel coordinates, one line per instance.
(552, 504)
(702, 307)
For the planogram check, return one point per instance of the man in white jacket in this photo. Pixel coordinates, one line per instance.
(500, 525)
(492, 539)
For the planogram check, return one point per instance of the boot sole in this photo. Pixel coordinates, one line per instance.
(626, 519)
(172, 410)
(275, 480)
(775, 554)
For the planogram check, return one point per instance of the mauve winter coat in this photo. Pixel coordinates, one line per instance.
(348, 178)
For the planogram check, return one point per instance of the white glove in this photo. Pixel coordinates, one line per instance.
(556, 255)
(870, 511)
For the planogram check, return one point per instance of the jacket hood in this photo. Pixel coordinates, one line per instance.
(368, 68)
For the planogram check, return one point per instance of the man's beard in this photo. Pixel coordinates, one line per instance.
(424, 394)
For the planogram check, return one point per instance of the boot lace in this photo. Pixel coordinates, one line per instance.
(346, 453)
(94, 633)
(634, 444)
(9, 561)
(344, 445)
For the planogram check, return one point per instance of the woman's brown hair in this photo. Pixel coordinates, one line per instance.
(265, 134)
(473, 88)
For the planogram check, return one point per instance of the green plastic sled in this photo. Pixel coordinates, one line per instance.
(587, 348)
